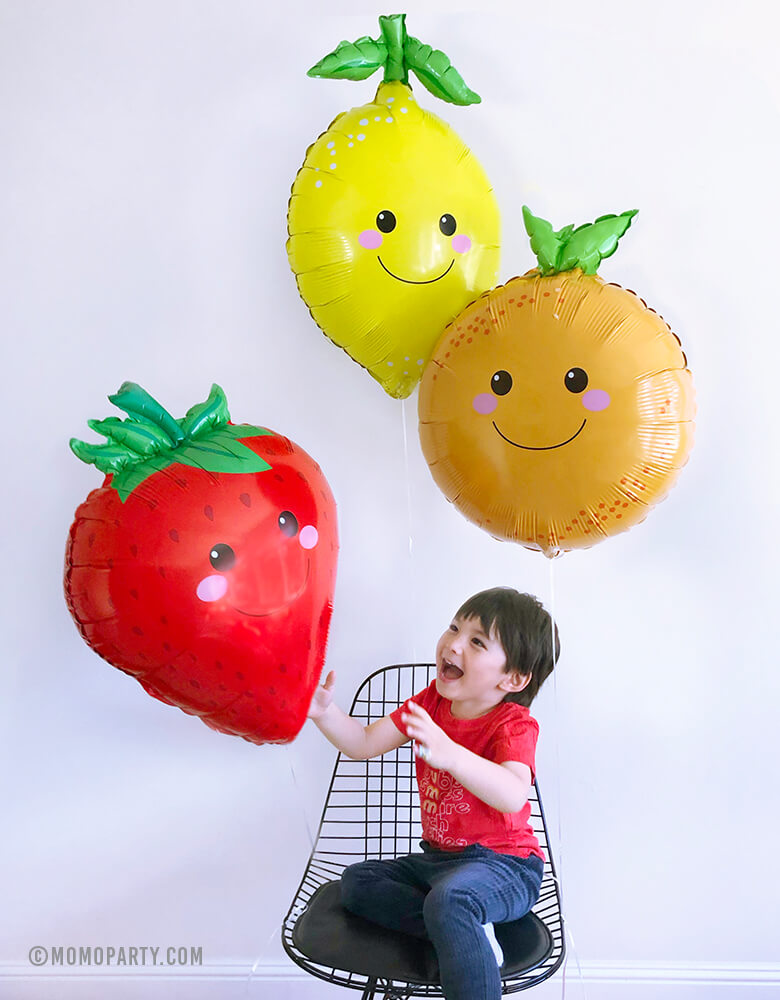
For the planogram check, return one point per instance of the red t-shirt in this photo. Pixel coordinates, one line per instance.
(452, 817)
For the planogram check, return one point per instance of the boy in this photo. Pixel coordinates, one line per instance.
(475, 742)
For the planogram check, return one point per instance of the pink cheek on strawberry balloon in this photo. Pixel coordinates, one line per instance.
(484, 403)
(308, 537)
(595, 400)
(461, 243)
(370, 239)
(211, 588)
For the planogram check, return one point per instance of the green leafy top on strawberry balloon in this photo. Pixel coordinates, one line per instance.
(150, 440)
(567, 248)
(396, 52)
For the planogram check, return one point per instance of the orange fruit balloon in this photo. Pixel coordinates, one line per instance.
(557, 410)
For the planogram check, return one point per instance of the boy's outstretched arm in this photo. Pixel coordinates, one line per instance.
(347, 734)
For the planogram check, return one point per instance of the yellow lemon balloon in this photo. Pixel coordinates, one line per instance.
(393, 225)
(557, 408)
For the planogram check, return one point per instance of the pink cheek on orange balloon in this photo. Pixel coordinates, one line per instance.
(461, 243)
(595, 400)
(370, 239)
(484, 403)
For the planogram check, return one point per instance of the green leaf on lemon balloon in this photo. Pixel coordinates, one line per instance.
(352, 60)
(437, 74)
(396, 52)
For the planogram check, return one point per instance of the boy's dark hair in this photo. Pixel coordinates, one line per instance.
(523, 628)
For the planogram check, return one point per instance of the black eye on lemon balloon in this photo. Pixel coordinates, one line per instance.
(288, 524)
(501, 383)
(222, 557)
(576, 380)
(448, 225)
(385, 222)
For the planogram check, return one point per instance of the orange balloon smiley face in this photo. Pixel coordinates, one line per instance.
(556, 411)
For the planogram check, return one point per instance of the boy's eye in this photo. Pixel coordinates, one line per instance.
(479, 642)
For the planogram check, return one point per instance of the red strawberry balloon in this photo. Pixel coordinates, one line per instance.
(204, 566)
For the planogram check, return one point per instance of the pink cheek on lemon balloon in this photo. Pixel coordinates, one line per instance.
(461, 243)
(595, 400)
(484, 403)
(211, 588)
(370, 239)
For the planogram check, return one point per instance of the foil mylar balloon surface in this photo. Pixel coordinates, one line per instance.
(393, 225)
(205, 564)
(557, 408)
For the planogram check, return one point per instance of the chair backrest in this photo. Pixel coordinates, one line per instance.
(373, 811)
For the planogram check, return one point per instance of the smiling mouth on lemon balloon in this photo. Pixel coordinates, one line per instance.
(408, 281)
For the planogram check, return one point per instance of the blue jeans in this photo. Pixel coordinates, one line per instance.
(445, 897)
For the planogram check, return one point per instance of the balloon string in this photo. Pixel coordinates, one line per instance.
(310, 834)
(412, 579)
(559, 877)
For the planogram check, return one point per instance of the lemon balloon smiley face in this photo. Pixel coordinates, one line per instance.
(393, 226)
(558, 409)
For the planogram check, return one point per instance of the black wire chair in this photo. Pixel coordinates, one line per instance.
(372, 811)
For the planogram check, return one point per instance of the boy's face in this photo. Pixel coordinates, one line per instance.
(470, 665)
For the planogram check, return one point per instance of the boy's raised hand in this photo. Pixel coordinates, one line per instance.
(432, 744)
(323, 696)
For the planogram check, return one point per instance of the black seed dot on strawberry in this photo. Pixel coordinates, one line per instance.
(194, 683)
(134, 593)
(209, 512)
(272, 691)
(137, 630)
(218, 665)
(222, 687)
(245, 499)
(161, 571)
(282, 668)
(258, 708)
(133, 550)
(213, 704)
(239, 675)
(173, 534)
(91, 541)
(163, 620)
(282, 703)
(278, 477)
(167, 647)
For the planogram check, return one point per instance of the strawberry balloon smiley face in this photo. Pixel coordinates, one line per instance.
(205, 564)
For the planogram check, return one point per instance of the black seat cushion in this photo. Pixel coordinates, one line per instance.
(329, 935)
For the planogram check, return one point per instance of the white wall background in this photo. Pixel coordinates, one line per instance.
(147, 155)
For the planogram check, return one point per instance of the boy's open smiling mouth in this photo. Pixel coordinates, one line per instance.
(449, 672)
(408, 281)
(548, 447)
